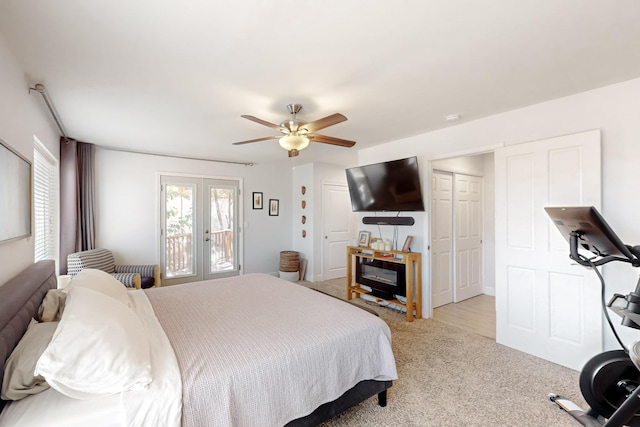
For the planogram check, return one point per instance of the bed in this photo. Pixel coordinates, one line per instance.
(250, 350)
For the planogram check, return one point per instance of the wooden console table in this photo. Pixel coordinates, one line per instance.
(411, 260)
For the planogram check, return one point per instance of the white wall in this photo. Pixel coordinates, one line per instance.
(613, 109)
(22, 116)
(128, 204)
(312, 176)
(468, 165)
(303, 175)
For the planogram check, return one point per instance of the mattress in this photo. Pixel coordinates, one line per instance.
(258, 350)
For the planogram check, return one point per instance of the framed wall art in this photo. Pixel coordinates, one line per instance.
(15, 194)
(257, 200)
(274, 207)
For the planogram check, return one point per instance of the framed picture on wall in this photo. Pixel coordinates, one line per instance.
(15, 194)
(274, 207)
(257, 200)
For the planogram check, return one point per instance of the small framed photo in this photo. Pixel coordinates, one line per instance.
(274, 207)
(407, 244)
(363, 238)
(257, 200)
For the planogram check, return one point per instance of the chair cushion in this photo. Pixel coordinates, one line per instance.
(101, 259)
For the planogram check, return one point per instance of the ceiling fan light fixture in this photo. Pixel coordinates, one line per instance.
(296, 133)
(294, 142)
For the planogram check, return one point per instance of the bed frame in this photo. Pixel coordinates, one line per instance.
(21, 296)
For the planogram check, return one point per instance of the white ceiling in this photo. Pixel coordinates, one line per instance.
(175, 76)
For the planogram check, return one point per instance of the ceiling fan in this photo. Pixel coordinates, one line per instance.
(297, 133)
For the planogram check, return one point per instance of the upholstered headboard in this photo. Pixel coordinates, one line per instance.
(20, 298)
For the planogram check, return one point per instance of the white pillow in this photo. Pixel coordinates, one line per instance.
(102, 282)
(99, 348)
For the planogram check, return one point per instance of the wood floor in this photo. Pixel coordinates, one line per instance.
(477, 314)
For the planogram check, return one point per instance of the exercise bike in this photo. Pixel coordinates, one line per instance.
(609, 381)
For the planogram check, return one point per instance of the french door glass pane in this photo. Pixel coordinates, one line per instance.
(222, 229)
(179, 205)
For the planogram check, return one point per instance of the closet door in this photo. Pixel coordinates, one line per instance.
(468, 220)
(441, 238)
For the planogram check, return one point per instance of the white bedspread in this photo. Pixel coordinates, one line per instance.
(257, 350)
(158, 405)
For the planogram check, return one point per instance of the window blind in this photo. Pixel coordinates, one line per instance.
(44, 206)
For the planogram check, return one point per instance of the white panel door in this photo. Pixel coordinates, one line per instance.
(545, 304)
(468, 236)
(339, 229)
(441, 238)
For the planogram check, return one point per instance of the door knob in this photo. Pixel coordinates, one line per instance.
(206, 239)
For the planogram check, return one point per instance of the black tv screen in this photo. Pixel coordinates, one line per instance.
(387, 186)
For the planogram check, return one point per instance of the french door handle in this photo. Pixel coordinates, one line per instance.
(206, 239)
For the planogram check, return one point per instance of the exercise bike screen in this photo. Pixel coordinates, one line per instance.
(595, 235)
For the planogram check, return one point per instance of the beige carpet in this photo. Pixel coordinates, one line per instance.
(450, 377)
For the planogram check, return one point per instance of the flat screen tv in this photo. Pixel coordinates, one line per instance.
(386, 186)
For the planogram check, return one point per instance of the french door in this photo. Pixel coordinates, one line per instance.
(199, 228)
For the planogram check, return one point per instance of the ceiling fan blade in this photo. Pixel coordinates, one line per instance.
(331, 140)
(267, 138)
(331, 120)
(262, 122)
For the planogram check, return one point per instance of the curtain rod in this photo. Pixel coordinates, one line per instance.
(175, 156)
(39, 87)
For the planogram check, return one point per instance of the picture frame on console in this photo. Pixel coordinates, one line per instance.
(407, 244)
(363, 239)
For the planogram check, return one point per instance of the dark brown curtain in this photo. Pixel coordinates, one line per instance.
(77, 198)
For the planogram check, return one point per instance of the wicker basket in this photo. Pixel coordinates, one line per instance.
(289, 261)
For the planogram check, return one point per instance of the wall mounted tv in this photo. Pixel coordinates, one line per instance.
(386, 186)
